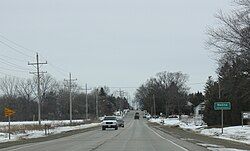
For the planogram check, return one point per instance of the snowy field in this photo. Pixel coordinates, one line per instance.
(31, 129)
(234, 133)
(56, 127)
(51, 122)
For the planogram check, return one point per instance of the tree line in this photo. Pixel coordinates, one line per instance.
(21, 96)
(230, 42)
(167, 91)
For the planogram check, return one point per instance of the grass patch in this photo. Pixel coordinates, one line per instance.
(21, 128)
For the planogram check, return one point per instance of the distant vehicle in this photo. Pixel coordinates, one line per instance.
(173, 116)
(137, 115)
(155, 116)
(109, 122)
(145, 115)
(148, 116)
(120, 122)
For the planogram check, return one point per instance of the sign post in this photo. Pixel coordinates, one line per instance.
(7, 113)
(9, 127)
(222, 106)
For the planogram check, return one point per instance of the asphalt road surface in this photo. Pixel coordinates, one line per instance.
(135, 136)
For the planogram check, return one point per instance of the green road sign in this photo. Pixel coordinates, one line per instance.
(222, 106)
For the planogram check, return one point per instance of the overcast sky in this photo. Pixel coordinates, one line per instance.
(118, 43)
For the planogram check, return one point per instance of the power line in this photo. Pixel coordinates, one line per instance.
(10, 75)
(124, 87)
(197, 83)
(13, 70)
(16, 59)
(1, 35)
(12, 64)
(16, 50)
(7, 74)
(56, 68)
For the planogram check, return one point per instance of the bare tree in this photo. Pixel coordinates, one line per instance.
(26, 88)
(232, 37)
(8, 86)
(48, 84)
(167, 90)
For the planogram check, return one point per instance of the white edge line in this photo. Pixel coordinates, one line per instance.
(167, 139)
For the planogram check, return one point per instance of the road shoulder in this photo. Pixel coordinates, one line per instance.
(198, 139)
(47, 138)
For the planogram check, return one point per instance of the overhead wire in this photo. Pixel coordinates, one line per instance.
(56, 68)
(197, 83)
(9, 75)
(16, 50)
(12, 58)
(1, 35)
(16, 70)
(12, 64)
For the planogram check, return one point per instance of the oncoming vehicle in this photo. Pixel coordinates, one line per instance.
(109, 122)
(137, 116)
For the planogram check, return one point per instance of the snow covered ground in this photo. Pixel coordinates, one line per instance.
(188, 124)
(51, 122)
(27, 134)
(234, 133)
(58, 126)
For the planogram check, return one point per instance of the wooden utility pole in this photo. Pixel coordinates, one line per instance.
(96, 104)
(121, 93)
(154, 104)
(86, 101)
(70, 80)
(38, 73)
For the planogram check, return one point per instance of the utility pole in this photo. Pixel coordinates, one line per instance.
(219, 88)
(86, 100)
(87, 106)
(121, 92)
(96, 104)
(154, 104)
(70, 80)
(38, 73)
(222, 114)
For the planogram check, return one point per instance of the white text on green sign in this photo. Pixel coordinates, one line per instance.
(222, 106)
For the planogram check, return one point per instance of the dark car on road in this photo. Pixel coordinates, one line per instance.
(137, 115)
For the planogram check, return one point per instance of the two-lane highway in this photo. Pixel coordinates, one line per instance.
(135, 136)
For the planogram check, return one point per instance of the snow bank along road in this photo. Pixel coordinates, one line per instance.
(136, 136)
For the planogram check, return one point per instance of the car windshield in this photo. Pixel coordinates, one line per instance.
(109, 118)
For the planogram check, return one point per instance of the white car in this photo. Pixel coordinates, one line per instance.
(109, 122)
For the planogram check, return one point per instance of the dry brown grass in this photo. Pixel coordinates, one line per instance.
(20, 128)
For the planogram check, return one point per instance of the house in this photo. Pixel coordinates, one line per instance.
(198, 110)
(198, 113)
